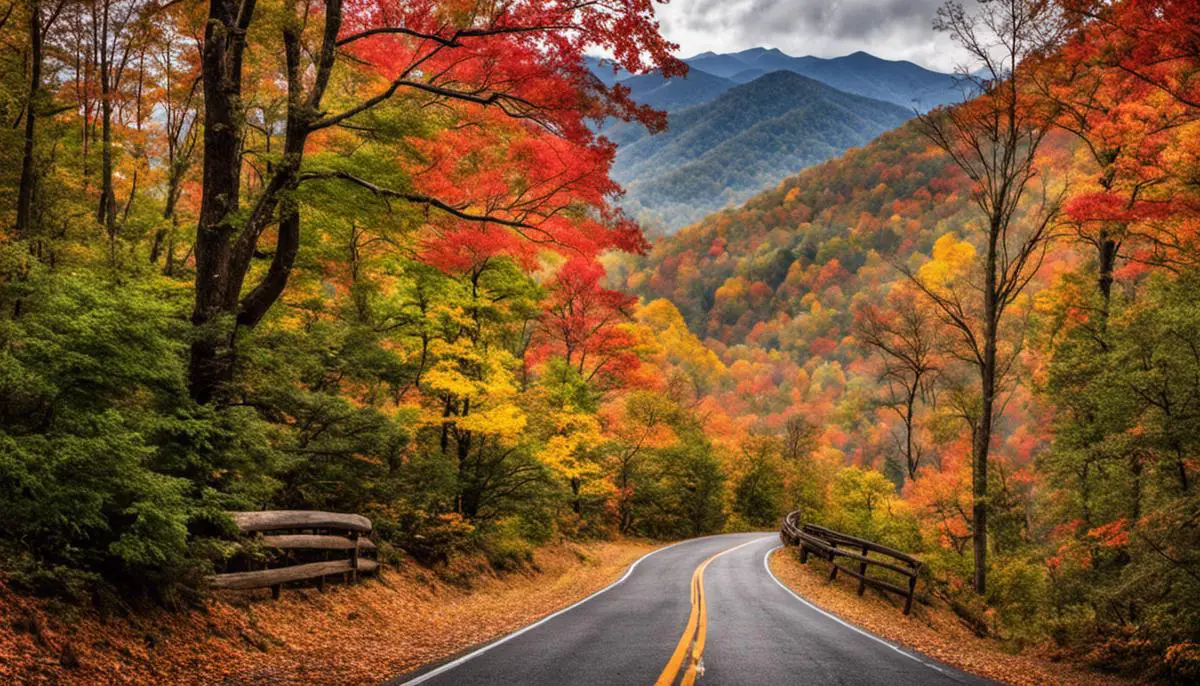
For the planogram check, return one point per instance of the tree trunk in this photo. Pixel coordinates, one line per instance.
(176, 167)
(25, 192)
(106, 211)
(223, 251)
(908, 429)
(1107, 259)
(168, 215)
(211, 360)
(576, 501)
(625, 506)
(982, 439)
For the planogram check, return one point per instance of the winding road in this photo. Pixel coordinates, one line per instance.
(706, 611)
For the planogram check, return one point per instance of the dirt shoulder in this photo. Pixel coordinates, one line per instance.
(931, 630)
(347, 635)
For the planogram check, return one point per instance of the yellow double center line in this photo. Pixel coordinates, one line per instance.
(695, 632)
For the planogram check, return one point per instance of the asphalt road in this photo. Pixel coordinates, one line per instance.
(647, 629)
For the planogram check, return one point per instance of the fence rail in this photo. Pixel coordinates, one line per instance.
(304, 540)
(834, 545)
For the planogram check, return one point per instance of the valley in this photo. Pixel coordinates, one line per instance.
(742, 122)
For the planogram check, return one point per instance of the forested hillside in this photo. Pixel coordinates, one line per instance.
(338, 257)
(720, 148)
(849, 298)
(680, 93)
(749, 137)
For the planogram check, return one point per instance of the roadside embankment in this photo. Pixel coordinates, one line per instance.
(933, 630)
(348, 635)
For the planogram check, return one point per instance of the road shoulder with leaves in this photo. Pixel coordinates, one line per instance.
(932, 630)
(348, 635)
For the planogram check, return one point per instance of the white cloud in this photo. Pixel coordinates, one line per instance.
(891, 29)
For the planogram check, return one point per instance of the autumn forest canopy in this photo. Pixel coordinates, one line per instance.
(367, 256)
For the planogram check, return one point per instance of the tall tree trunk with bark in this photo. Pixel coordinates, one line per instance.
(226, 240)
(221, 64)
(28, 183)
(982, 436)
(106, 211)
(224, 251)
(994, 139)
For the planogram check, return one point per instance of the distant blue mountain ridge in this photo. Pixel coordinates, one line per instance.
(740, 123)
(899, 82)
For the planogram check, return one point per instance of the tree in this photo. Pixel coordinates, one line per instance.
(1124, 138)
(1150, 49)
(1153, 41)
(682, 489)
(583, 322)
(759, 494)
(471, 383)
(994, 140)
(639, 423)
(179, 85)
(863, 494)
(120, 30)
(905, 336)
(514, 69)
(564, 419)
(40, 23)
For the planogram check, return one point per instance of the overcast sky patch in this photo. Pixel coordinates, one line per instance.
(892, 29)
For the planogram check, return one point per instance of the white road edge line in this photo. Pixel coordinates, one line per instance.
(839, 620)
(472, 655)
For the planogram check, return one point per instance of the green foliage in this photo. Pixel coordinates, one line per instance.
(681, 493)
(1125, 566)
(85, 371)
(1018, 587)
(864, 503)
(506, 546)
(759, 495)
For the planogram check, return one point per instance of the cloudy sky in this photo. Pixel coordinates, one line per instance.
(892, 29)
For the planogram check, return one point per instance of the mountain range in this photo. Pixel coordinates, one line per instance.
(741, 122)
(747, 139)
(888, 199)
(710, 74)
(899, 82)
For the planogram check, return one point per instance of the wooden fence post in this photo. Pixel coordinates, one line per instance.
(862, 570)
(912, 587)
(827, 544)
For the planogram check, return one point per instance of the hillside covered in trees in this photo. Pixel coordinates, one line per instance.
(750, 137)
(850, 299)
(330, 257)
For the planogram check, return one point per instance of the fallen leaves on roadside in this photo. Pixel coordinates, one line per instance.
(932, 630)
(359, 634)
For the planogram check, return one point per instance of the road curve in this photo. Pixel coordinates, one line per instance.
(758, 632)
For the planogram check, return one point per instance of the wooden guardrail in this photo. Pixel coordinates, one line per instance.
(304, 540)
(834, 545)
